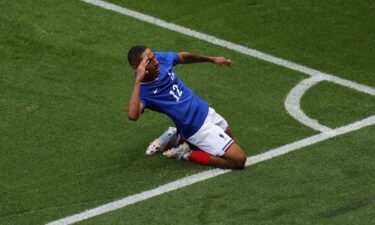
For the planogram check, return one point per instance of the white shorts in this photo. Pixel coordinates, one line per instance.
(211, 137)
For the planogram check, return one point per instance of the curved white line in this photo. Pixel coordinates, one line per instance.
(292, 103)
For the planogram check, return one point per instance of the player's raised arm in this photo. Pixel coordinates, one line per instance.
(188, 57)
(135, 106)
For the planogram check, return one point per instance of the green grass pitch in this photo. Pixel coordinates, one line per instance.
(66, 144)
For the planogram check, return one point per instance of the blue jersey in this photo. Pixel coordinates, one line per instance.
(167, 94)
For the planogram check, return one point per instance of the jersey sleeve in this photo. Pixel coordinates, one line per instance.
(174, 57)
(170, 58)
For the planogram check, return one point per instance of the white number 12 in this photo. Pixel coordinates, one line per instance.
(174, 91)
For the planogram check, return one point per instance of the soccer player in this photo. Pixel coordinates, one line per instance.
(158, 88)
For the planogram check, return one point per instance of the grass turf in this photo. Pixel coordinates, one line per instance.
(333, 36)
(65, 142)
(316, 185)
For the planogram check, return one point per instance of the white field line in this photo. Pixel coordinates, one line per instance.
(232, 46)
(293, 99)
(369, 121)
(250, 160)
(212, 173)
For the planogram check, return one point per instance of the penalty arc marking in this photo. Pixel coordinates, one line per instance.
(293, 107)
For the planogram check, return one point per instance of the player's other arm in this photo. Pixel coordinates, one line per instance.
(135, 106)
(188, 57)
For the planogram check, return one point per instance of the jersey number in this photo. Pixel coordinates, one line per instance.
(175, 92)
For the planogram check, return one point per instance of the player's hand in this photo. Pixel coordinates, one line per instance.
(222, 61)
(141, 70)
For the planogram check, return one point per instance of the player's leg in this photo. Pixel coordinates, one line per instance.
(216, 142)
(167, 140)
(215, 145)
(233, 158)
(218, 148)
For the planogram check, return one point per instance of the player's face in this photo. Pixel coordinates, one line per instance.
(152, 64)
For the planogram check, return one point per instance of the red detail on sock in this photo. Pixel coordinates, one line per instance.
(200, 157)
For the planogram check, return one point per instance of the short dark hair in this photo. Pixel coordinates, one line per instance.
(134, 54)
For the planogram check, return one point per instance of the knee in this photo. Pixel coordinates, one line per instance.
(239, 163)
(236, 156)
